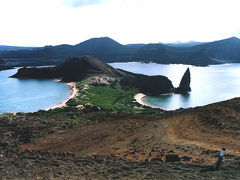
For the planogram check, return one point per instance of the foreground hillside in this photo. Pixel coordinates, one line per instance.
(114, 137)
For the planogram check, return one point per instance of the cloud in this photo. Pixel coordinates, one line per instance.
(80, 3)
(42, 22)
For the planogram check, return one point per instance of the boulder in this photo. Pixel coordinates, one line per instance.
(171, 158)
(186, 158)
(156, 159)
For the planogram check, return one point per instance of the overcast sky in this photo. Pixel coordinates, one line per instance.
(52, 22)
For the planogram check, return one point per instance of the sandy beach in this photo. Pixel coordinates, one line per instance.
(74, 92)
(139, 98)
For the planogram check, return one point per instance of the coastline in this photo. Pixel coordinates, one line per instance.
(139, 98)
(73, 94)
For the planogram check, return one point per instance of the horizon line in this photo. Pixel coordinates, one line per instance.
(172, 42)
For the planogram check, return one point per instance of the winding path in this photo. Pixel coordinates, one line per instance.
(196, 134)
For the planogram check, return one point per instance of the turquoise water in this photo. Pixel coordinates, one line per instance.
(29, 95)
(210, 84)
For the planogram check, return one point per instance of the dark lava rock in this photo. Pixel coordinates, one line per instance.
(171, 151)
(186, 158)
(172, 158)
(3, 144)
(153, 85)
(184, 85)
(39, 73)
(157, 159)
(73, 69)
(79, 68)
(1, 61)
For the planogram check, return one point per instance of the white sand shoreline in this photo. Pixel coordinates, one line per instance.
(73, 94)
(139, 98)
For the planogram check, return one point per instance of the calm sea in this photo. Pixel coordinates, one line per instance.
(29, 95)
(209, 84)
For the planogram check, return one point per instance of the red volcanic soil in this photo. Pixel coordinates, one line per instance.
(195, 134)
(180, 144)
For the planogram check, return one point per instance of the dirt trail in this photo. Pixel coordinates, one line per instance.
(185, 130)
(186, 134)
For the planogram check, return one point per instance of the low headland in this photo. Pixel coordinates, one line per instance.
(104, 133)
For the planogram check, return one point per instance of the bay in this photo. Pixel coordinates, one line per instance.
(209, 84)
(29, 95)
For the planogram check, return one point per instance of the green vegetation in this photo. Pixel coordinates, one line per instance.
(109, 98)
(94, 103)
(102, 97)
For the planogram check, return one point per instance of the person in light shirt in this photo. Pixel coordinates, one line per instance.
(219, 162)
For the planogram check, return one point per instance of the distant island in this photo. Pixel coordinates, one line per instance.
(108, 50)
(77, 69)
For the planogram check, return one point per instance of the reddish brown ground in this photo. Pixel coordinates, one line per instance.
(198, 134)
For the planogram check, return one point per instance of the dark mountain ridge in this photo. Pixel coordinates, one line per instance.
(14, 48)
(226, 50)
(3, 65)
(184, 44)
(222, 51)
(1, 61)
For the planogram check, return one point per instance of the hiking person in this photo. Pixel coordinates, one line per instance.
(220, 158)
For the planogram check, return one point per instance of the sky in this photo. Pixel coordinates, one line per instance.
(53, 22)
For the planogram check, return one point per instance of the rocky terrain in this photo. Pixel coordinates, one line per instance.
(176, 144)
